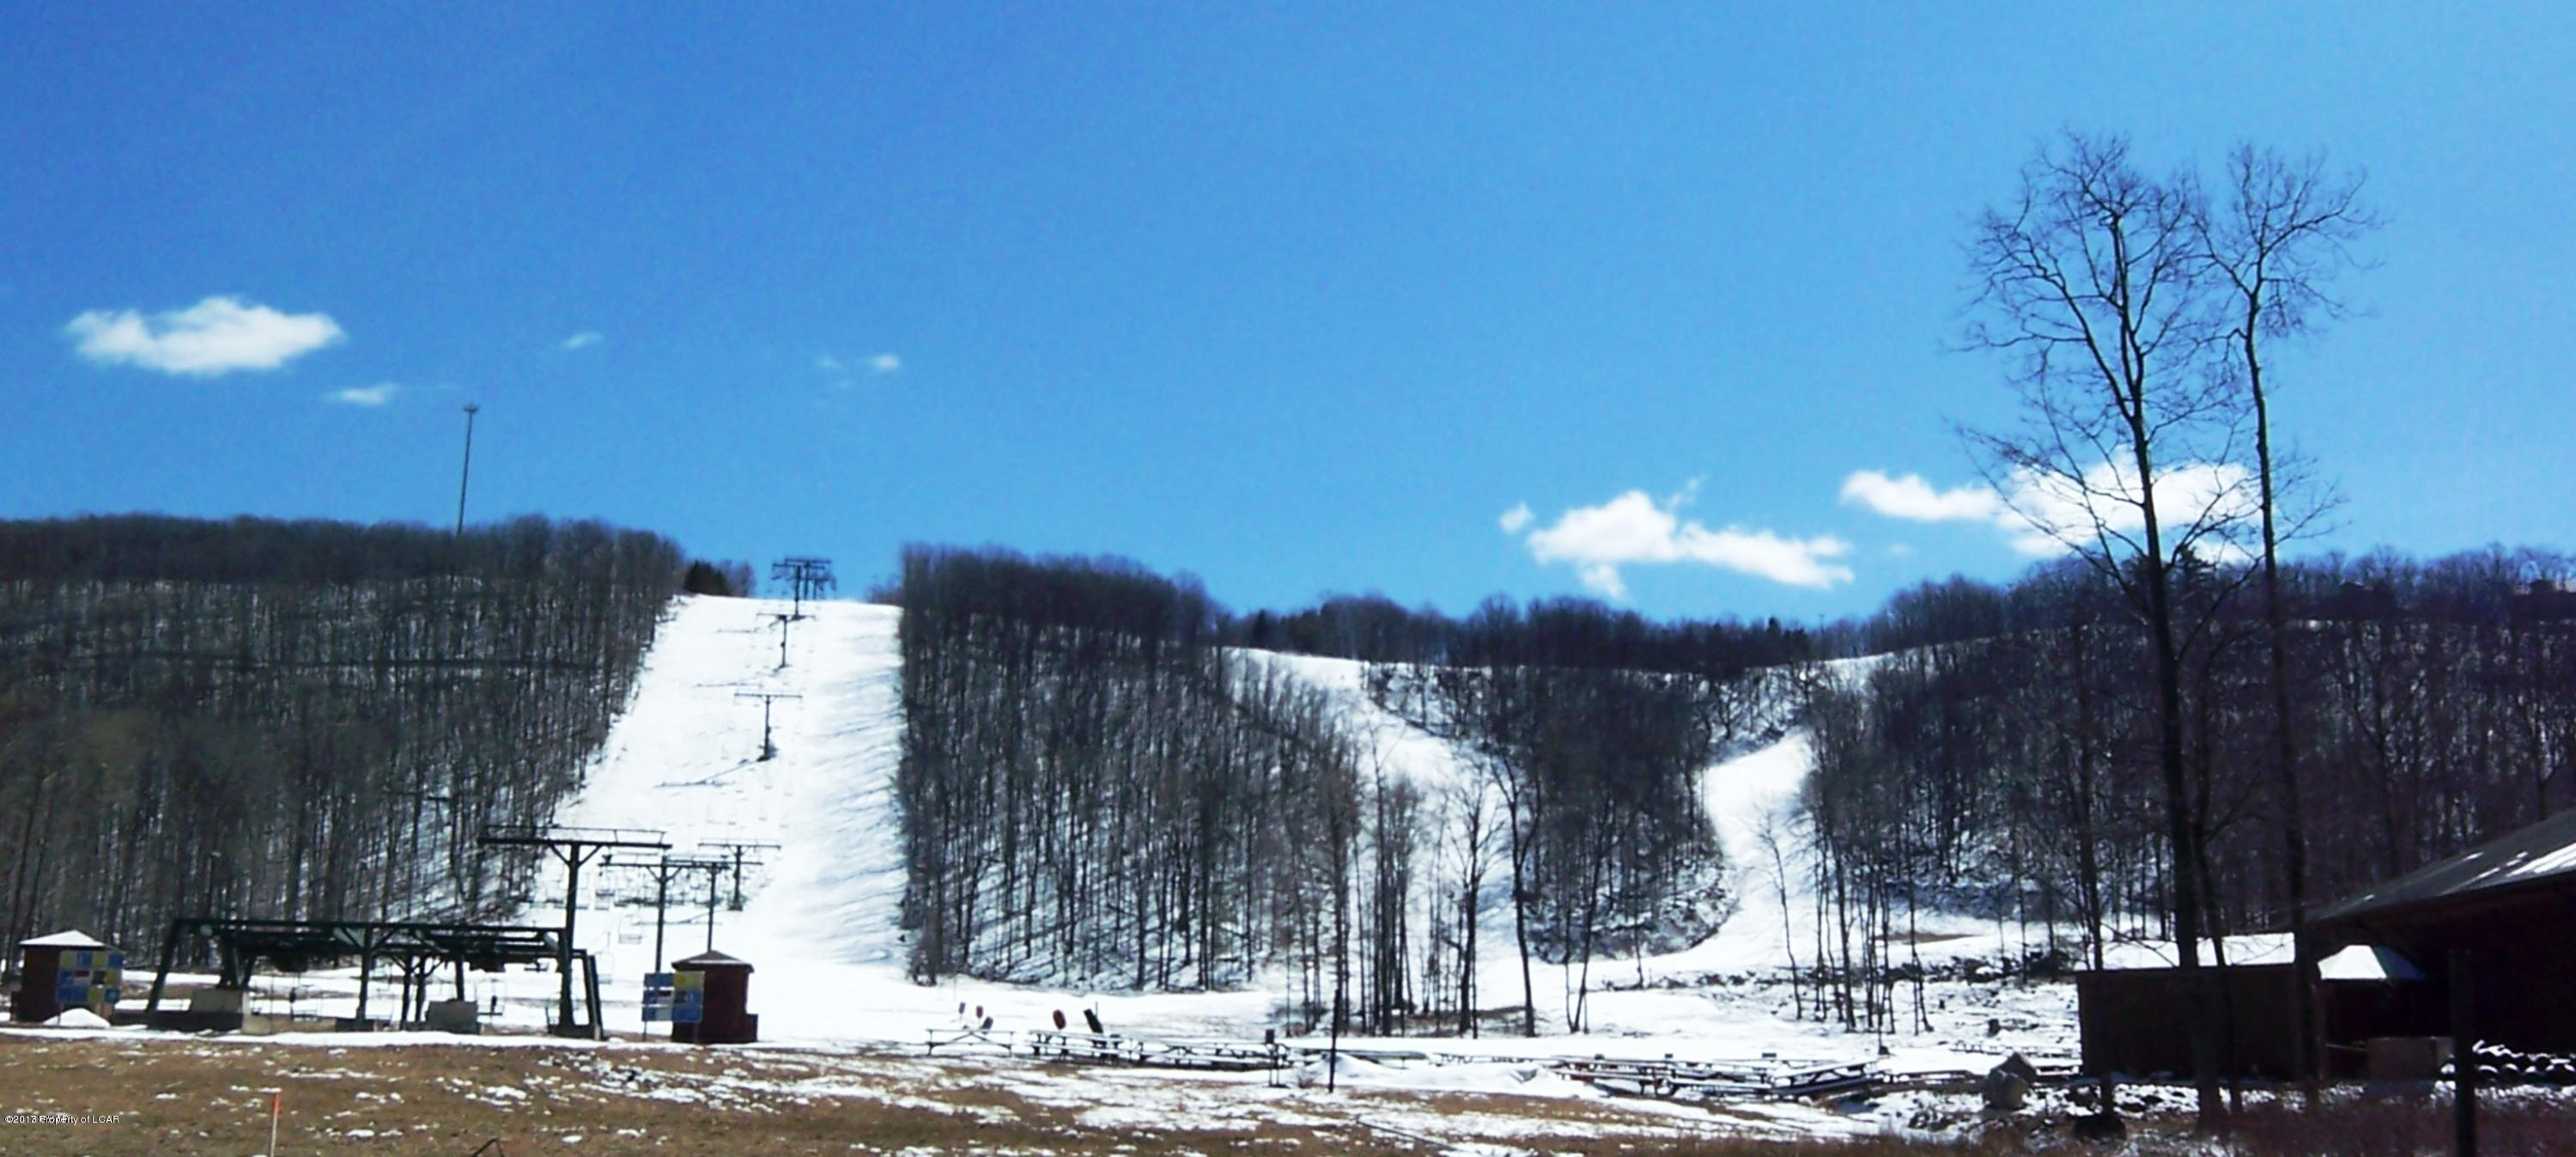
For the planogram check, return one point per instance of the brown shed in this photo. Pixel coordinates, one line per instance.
(65, 970)
(2133, 1020)
(722, 987)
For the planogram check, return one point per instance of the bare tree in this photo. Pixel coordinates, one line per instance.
(1471, 828)
(1770, 837)
(2094, 285)
(2283, 232)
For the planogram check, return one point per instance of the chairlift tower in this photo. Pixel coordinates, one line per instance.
(806, 577)
(738, 849)
(572, 847)
(663, 870)
(783, 621)
(768, 750)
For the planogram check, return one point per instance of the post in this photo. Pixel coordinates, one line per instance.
(161, 978)
(467, 472)
(661, 908)
(563, 961)
(366, 974)
(2464, 1058)
(714, 874)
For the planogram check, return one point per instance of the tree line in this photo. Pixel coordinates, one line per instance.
(1566, 632)
(302, 720)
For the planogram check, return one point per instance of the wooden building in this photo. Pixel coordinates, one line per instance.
(2510, 904)
(2133, 1019)
(722, 991)
(2383, 982)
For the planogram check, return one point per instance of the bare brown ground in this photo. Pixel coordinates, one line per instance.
(63, 1096)
(187, 1096)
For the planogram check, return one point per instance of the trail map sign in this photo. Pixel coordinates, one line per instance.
(675, 997)
(90, 978)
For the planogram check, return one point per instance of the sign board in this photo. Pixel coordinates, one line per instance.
(688, 997)
(657, 996)
(93, 978)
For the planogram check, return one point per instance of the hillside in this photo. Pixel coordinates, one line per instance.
(822, 919)
(308, 719)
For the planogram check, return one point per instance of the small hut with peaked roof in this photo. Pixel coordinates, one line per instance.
(69, 969)
(722, 992)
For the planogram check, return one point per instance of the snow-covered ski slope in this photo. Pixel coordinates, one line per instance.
(685, 760)
(821, 925)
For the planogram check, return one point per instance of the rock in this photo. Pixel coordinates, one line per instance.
(2007, 1085)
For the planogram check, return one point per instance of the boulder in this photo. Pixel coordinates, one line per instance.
(2007, 1086)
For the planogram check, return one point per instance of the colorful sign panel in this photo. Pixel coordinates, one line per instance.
(90, 978)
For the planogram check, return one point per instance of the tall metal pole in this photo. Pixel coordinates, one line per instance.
(572, 859)
(467, 473)
(661, 907)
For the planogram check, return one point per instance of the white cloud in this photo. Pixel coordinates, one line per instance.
(584, 340)
(1602, 579)
(1634, 529)
(375, 395)
(2040, 515)
(216, 336)
(1517, 519)
(2051, 511)
(884, 364)
(828, 364)
(1915, 500)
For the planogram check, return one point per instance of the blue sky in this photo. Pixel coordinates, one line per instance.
(1296, 297)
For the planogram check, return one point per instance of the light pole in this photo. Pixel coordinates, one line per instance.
(465, 474)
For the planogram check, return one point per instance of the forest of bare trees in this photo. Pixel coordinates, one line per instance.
(1101, 785)
(1097, 787)
(1092, 790)
(2002, 753)
(299, 720)
(1588, 730)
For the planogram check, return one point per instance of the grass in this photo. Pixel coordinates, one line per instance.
(112, 1098)
(2513, 1124)
(164, 1095)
